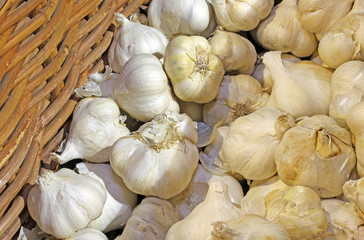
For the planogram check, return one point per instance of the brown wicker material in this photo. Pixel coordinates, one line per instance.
(47, 48)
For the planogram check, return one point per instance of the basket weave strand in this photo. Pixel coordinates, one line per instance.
(47, 49)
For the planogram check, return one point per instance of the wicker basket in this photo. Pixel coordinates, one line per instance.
(47, 48)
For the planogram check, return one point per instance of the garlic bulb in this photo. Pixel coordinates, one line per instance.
(242, 148)
(344, 220)
(115, 212)
(64, 202)
(150, 220)
(345, 40)
(301, 89)
(262, 74)
(142, 89)
(132, 39)
(159, 158)
(217, 206)
(195, 72)
(236, 52)
(174, 17)
(87, 234)
(298, 210)
(196, 192)
(248, 227)
(241, 15)
(347, 89)
(353, 190)
(319, 16)
(95, 126)
(253, 202)
(354, 121)
(282, 31)
(238, 95)
(316, 153)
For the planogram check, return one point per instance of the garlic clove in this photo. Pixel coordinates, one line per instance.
(87, 234)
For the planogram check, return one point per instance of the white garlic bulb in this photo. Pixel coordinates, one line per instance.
(217, 206)
(242, 148)
(142, 89)
(347, 89)
(238, 95)
(241, 15)
(159, 158)
(316, 153)
(95, 126)
(196, 192)
(344, 221)
(174, 17)
(353, 191)
(236, 52)
(248, 227)
(354, 121)
(87, 234)
(115, 212)
(195, 72)
(150, 220)
(64, 202)
(345, 40)
(132, 39)
(282, 31)
(319, 16)
(301, 89)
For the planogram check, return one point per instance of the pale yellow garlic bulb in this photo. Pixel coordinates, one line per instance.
(195, 72)
(354, 191)
(316, 153)
(248, 227)
(238, 95)
(241, 15)
(282, 31)
(158, 159)
(345, 40)
(319, 16)
(344, 220)
(249, 147)
(354, 120)
(347, 89)
(236, 52)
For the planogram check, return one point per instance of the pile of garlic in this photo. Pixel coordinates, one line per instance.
(216, 120)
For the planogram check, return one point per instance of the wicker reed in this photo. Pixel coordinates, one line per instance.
(47, 48)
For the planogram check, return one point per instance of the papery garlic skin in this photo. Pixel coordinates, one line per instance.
(301, 89)
(253, 202)
(150, 220)
(344, 221)
(217, 206)
(238, 96)
(115, 212)
(142, 89)
(195, 193)
(316, 153)
(236, 52)
(345, 40)
(132, 39)
(319, 16)
(354, 120)
(195, 72)
(241, 15)
(298, 210)
(248, 227)
(96, 125)
(347, 89)
(282, 31)
(354, 191)
(174, 17)
(158, 159)
(87, 234)
(64, 202)
(242, 148)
